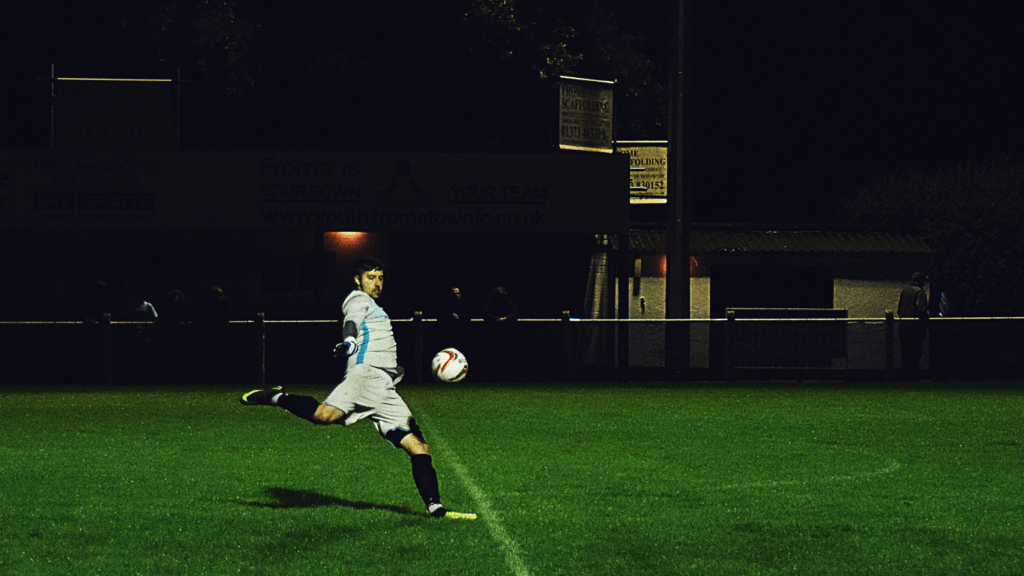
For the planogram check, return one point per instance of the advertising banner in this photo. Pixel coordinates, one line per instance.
(106, 114)
(586, 116)
(648, 170)
(314, 191)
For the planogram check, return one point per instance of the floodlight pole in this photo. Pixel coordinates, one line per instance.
(677, 281)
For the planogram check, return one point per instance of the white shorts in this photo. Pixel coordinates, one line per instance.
(368, 392)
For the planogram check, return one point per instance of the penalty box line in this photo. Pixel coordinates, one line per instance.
(512, 554)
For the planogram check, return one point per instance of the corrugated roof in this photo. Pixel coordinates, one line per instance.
(746, 241)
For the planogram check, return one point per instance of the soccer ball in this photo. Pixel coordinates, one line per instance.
(449, 365)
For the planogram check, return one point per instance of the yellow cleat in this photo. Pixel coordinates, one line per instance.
(259, 397)
(460, 515)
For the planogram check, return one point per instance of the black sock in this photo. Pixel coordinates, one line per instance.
(302, 406)
(425, 476)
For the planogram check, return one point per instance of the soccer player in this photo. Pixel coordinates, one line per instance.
(368, 389)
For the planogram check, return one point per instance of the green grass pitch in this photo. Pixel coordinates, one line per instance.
(697, 479)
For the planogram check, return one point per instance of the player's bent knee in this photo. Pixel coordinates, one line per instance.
(327, 414)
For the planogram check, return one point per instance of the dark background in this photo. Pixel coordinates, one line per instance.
(795, 105)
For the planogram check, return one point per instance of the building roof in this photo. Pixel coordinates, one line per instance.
(706, 242)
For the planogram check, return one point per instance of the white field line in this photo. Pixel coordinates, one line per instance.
(485, 512)
(891, 466)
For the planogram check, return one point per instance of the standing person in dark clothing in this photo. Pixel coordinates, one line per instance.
(214, 314)
(503, 339)
(453, 314)
(175, 309)
(455, 307)
(94, 305)
(913, 312)
(500, 307)
(98, 303)
(176, 338)
(217, 307)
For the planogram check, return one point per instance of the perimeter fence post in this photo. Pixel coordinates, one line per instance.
(261, 349)
(730, 333)
(570, 364)
(108, 349)
(417, 334)
(889, 329)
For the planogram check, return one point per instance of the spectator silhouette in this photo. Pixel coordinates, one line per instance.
(143, 311)
(501, 311)
(214, 313)
(500, 307)
(175, 309)
(98, 303)
(139, 359)
(454, 306)
(454, 313)
(217, 307)
(913, 313)
(175, 346)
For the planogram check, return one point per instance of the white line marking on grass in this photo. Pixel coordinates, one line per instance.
(891, 466)
(486, 512)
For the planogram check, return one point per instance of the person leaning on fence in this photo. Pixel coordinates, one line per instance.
(213, 337)
(500, 307)
(454, 312)
(97, 303)
(454, 306)
(913, 313)
(217, 307)
(142, 311)
(175, 308)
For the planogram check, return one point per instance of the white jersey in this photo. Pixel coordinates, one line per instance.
(375, 337)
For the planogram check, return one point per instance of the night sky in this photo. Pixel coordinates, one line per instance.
(795, 104)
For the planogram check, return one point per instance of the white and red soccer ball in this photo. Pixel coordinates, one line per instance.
(449, 365)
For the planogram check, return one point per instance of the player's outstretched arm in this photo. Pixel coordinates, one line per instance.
(349, 345)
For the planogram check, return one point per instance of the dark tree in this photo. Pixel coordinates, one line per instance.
(383, 75)
(971, 218)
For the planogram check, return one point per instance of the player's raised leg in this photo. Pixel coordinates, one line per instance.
(260, 397)
(305, 407)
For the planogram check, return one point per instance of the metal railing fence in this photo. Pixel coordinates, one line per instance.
(273, 352)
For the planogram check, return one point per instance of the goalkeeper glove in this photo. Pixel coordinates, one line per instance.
(346, 348)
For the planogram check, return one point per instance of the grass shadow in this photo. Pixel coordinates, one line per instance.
(289, 498)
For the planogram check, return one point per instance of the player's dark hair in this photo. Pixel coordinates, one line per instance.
(367, 264)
